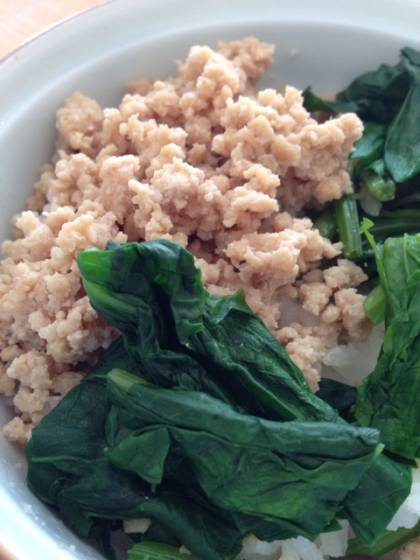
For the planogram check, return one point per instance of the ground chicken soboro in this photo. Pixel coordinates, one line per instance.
(203, 159)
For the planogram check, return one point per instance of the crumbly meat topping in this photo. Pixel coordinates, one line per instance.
(204, 159)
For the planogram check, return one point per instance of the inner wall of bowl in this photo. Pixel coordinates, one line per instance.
(324, 56)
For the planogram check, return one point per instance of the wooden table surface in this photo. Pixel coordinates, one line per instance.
(21, 19)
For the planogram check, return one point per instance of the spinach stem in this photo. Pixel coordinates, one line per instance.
(124, 380)
(395, 223)
(347, 221)
(375, 305)
(386, 542)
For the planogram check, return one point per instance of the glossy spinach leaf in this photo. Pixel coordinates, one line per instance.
(338, 395)
(65, 454)
(402, 146)
(371, 145)
(252, 365)
(313, 102)
(375, 96)
(153, 293)
(220, 348)
(378, 94)
(382, 489)
(243, 463)
(388, 398)
(68, 469)
(252, 368)
(387, 100)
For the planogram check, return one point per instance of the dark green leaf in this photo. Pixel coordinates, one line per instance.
(243, 366)
(395, 223)
(388, 397)
(326, 224)
(402, 147)
(370, 147)
(252, 365)
(379, 494)
(338, 395)
(247, 464)
(378, 94)
(156, 533)
(66, 450)
(143, 289)
(388, 101)
(312, 102)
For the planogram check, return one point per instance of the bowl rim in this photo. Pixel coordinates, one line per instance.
(37, 44)
(35, 36)
(322, 7)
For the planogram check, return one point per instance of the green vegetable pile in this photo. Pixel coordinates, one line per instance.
(197, 418)
(386, 162)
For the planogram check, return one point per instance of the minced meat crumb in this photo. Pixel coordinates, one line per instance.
(203, 159)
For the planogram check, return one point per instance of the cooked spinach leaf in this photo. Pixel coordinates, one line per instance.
(388, 102)
(153, 294)
(370, 147)
(235, 358)
(243, 463)
(381, 490)
(66, 463)
(388, 397)
(377, 95)
(402, 146)
(252, 366)
(68, 468)
(338, 395)
(394, 223)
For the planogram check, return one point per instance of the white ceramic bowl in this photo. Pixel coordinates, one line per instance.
(97, 52)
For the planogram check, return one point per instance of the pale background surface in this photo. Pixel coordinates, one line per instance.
(21, 19)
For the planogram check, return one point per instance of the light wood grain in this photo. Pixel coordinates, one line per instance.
(6, 555)
(21, 19)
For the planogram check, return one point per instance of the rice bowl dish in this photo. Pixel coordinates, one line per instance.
(200, 166)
